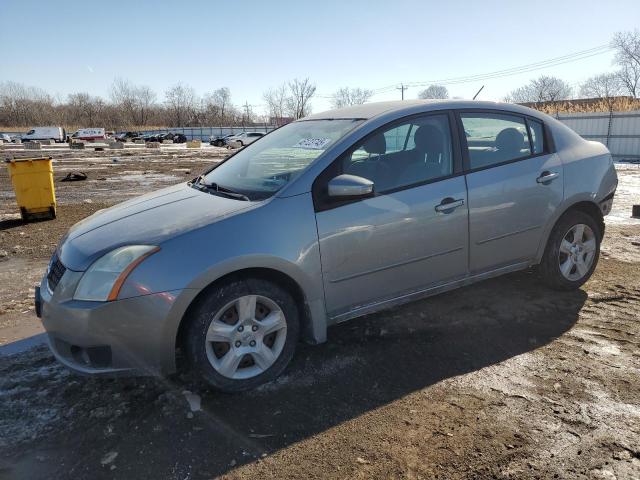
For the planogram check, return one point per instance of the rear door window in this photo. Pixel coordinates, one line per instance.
(495, 138)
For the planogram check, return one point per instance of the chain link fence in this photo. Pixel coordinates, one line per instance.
(204, 133)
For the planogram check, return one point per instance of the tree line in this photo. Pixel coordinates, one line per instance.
(136, 106)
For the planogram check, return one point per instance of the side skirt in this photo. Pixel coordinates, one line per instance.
(428, 292)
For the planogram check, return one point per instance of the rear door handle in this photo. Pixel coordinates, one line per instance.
(449, 204)
(546, 177)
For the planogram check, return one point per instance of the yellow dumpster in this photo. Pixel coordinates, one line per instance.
(32, 180)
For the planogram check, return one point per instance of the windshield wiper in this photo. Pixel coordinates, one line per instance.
(200, 183)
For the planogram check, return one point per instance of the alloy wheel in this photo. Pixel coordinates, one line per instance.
(577, 252)
(246, 337)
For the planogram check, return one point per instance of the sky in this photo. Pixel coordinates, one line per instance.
(64, 46)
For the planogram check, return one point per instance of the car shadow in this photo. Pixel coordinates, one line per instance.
(365, 364)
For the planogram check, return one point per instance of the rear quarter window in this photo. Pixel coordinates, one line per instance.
(537, 135)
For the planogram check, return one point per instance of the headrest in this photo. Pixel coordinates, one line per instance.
(510, 139)
(375, 144)
(429, 138)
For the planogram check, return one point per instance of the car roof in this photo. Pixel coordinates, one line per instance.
(369, 110)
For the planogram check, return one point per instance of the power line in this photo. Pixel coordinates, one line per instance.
(526, 68)
(516, 70)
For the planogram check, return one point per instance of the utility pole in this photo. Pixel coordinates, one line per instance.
(246, 111)
(402, 88)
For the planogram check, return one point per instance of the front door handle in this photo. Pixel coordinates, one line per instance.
(449, 204)
(546, 176)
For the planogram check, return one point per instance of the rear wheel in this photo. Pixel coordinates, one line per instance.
(572, 251)
(242, 335)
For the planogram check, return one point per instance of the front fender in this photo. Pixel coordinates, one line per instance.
(280, 235)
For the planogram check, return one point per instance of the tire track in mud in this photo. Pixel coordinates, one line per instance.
(605, 400)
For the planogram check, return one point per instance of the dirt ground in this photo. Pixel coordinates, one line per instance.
(503, 379)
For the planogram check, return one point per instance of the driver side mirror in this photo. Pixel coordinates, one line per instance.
(350, 186)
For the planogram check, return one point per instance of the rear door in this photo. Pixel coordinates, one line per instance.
(412, 234)
(514, 183)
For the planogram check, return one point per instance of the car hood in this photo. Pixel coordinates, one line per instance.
(149, 220)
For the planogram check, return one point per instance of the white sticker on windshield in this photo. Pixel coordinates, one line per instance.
(313, 143)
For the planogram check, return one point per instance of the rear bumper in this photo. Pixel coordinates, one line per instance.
(124, 337)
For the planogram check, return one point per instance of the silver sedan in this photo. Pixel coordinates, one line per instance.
(328, 218)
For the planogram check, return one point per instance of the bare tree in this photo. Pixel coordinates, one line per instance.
(346, 97)
(542, 89)
(144, 104)
(605, 86)
(627, 45)
(222, 98)
(135, 102)
(277, 100)
(181, 102)
(84, 109)
(301, 92)
(433, 92)
(24, 106)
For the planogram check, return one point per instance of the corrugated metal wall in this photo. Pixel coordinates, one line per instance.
(620, 131)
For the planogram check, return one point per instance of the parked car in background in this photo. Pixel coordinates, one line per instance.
(127, 136)
(88, 134)
(242, 139)
(219, 141)
(176, 137)
(57, 134)
(358, 210)
(5, 138)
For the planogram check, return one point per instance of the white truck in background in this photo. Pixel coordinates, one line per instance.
(88, 134)
(57, 134)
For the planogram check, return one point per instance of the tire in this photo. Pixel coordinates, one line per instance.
(565, 268)
(222, 308)
(240, 143)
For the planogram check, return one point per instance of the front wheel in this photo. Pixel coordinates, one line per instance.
(243, 334)
(572, 251)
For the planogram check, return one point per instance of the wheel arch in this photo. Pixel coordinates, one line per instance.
(264, 273)
(589, 207)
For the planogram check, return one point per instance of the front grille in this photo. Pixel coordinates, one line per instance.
(56, 270)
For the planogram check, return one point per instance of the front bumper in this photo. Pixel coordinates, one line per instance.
(133, 336)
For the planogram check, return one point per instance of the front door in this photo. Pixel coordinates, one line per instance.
(412, 234)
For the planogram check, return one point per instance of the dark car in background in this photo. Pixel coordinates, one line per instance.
(159, 137)
(219, 141)
(151, 137)
(176, 137)
(128, 136)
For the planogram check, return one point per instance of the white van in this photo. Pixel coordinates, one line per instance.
(56, 134)
(88, 134)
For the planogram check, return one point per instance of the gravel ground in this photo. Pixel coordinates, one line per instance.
(503, 379)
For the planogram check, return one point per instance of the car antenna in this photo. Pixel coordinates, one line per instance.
(478, 92)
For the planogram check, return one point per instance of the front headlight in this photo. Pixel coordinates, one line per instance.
(104, 278)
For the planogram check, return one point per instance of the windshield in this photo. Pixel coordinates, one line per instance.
(267, 165)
